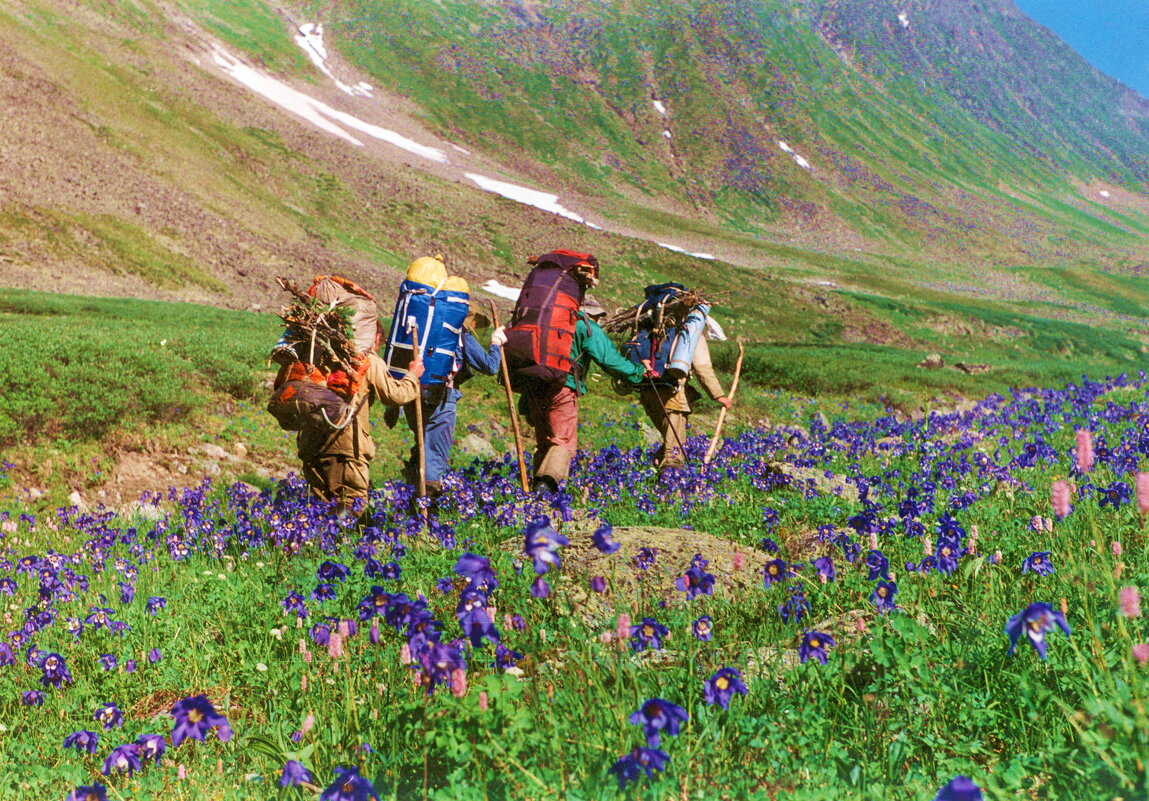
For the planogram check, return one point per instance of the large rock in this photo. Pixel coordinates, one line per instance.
(477, 446)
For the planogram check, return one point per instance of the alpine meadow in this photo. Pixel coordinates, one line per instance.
(517, 400)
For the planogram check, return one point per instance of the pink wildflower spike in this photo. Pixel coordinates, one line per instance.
(1084, 451)
(1141, 652)
(303, 683)
(302, 645)
(1037, 523)
(1059, 497)
(416, 679)
(405, 654)
(860, 625)
(927, 546)
(1064, 607)
(181, 773)
(508, 622)
(1142, 488)
(622, 630)
(973, 539)
(1049, 524)
(458, 682)
(1130, 601)
(344, 629)
(308, 723)
(483, 701)
(1115, 547)
(739, 560)
(997, 556)
(873, 540)
(307, 657)
(335, 645)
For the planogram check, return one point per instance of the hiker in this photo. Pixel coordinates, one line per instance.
(329, 376)
(677, 352)
(437, 306)
(551, 345)
(337, 464)
(440, 399)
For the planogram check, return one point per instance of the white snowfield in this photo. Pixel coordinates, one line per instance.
(525, 195)
(904, 19)
(310, 39)
(684, 251)
(1104, 193)
(661, 109)
(799, 160)
(317, 113)
(498, 290)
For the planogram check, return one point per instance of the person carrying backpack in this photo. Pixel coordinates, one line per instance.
(329, 377)
(438, 305)
(551, 345)
(671, 336)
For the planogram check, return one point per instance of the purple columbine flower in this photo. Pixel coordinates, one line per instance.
(474, 618)
(32, 698)
(108, 661)
(55, 671)
(6, 655)
(597, 584)
(88, 792)
(883, 596)
(1035, 620)
(376, 603)
(542, 544)
(961, 788)
(602, 541)
(657, 714)
(109, 716)
(795, 607)
(540, 588)
(878, 564)
(630, 766)
(478, 572)
(83, 740)
(123, 759)
(703, 628)
(349, 786)
(439, 659)
(155, 604)
(130, 666)
(647, 634)
(694, 582)
(505, 657)
(814, 644)
(776, 570)
(947, 552)
(152, 747)
(1039, 563)
(645, 558)
(194, 717)
(720, 687)
(825, 567)
(294, 603)
(323, 592)
(332, 571)
(154, 655)
(294, 773)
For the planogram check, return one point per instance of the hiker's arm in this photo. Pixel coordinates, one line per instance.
(704, 369)
(396, 391)
(606, 355)
(482, 361)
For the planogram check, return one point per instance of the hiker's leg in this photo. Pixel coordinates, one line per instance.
(349, 480)
(534, 403)
(562, 435)
(673, 437)
(654, 410)
(439, 435)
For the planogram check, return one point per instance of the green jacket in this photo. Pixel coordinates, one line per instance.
(591, 344)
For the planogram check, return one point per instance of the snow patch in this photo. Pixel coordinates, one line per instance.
(462, 150)
(661, 109)
(685, 252)
(319, 114)
(801, 162)
(706, 256)
(666, 134)
(904, 19)
(498, 290)
(589, 224)
(675, 248)
(521, 194)
(785, 148)
(1104, 193)
(310, 39)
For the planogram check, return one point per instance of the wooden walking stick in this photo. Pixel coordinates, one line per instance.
(713, 449)
(514, 411)
(421, 487)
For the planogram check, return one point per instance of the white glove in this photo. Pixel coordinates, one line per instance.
(499, 337)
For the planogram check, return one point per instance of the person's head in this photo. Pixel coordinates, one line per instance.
(592, 308)
(477, 321)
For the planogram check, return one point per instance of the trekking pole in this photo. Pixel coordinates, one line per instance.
(713, 449)
(511, 407)
(421, 487)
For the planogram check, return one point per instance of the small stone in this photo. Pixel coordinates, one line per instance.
(241, 450)
(77, 500)
(474, 444)
(933, 361)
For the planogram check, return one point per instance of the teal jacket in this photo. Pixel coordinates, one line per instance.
(591, 344)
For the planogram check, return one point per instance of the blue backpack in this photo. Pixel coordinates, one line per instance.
(439, 313)
(672, 351)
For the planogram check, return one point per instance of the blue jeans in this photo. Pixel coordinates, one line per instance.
(439, 403)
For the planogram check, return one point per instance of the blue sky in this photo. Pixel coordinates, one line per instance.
(1113, 35)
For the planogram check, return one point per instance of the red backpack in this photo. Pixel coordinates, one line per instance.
(542, 328)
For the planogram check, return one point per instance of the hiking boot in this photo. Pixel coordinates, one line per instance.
(541, 484)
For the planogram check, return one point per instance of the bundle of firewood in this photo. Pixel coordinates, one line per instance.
(669, 311)
(316, 334)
